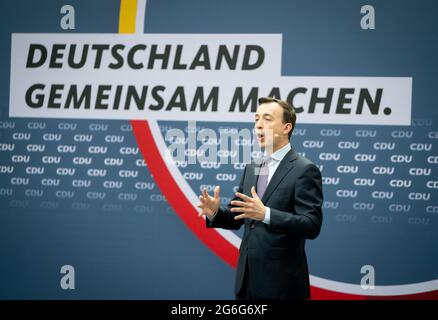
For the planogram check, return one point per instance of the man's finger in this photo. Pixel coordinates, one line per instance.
(205, 193)
(202, 199)
(217, 189)
(241, 216)
(239, 209)
(238, 203)
(243, 196)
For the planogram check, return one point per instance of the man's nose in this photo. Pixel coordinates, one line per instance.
(258, 124)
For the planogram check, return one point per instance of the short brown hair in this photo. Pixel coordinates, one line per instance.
(289, 114)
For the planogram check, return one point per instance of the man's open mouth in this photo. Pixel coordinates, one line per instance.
(260, 135)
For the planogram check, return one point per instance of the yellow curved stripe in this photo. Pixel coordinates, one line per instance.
(127, 17)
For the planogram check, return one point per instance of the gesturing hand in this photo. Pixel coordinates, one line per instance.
(252, 208)
(209, 205)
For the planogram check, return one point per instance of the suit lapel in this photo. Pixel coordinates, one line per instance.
(252, 176)
(283, 168)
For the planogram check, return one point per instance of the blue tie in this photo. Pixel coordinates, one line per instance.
(262, 182)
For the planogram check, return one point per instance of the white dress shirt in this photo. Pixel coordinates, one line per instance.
(273, 162)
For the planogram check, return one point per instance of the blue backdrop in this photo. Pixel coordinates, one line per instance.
(129, 243)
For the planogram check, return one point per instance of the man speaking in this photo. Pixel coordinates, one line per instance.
(279, 203)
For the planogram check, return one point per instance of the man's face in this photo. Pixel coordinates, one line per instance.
(269, 125)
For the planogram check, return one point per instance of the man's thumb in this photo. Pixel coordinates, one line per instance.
(254, 193)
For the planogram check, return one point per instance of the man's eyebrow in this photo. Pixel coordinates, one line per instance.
(264, 114)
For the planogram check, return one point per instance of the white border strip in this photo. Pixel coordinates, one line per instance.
(140, 16)
(394, 290)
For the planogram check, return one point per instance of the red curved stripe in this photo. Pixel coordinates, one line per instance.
(323, 294)
(210, 237)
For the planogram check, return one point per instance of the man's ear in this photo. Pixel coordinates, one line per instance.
(288, 127)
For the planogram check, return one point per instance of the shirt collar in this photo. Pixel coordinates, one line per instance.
(280, 153)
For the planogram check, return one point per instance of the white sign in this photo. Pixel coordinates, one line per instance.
(203, 77)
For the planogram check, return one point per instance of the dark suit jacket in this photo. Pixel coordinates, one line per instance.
(272, 257)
